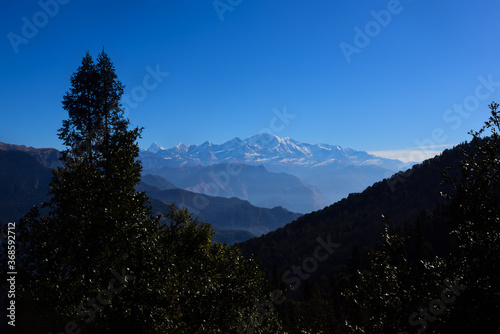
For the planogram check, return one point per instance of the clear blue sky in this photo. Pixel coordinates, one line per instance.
(227, 76)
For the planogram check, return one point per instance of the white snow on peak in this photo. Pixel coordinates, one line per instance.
(266, 148)
(324, 147)
(154, 148)
(181, 147)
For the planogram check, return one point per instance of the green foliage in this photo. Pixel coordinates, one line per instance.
(423, 278)
(100, 262)
(395, 295)
(391, 288)
(476, 202)
(93, 105)
(97, 223)
(476, 224)
(210, 288)
(356, 219)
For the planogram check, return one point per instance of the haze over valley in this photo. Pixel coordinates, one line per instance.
(230, 166)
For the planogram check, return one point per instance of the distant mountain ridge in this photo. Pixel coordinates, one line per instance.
(24, 182)
(251, 183)
(268, 150)
(330, 169)
(25, 174)
(224, 214)
(48, 157)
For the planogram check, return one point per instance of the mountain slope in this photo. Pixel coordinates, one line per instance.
(24, 182)
(230, 237)
(48, 157)
(252, 183)
(322, 166)
(268, 150)
(356, 220)
(224, 213)
(335, 183)
(157, 181)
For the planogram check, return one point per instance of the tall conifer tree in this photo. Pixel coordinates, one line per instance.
(97, 223)
(101, 263)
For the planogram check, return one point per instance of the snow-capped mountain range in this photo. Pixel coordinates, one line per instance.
(327, 172)
(270, 151)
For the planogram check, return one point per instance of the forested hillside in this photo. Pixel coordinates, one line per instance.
(417, 252)
(413, 253)
(356, 220)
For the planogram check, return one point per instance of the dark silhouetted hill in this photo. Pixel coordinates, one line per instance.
(24, 182)
(224, 213)
(356, 220)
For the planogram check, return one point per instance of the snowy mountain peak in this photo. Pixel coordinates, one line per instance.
(333, 171)
(155, 148)
(271, 151)
(181, 147)
(206, 144)
(263, 140)
(234, 140)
